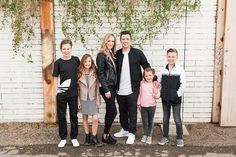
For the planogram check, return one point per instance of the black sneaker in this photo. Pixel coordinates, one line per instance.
(109, 140)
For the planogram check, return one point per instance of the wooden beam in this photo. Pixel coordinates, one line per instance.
(228, 107)
(48, 58)
(218, 61)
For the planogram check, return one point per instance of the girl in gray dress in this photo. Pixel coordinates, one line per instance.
(89, 98)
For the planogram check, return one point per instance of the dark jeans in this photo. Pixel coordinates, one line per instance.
(147, 114)
(128, 111)
(111, 110)
(177, 119)
(61, 115)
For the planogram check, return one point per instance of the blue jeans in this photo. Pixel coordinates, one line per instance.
(147, 114)
(166, 117)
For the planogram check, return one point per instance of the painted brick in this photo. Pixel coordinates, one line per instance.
(21, 83)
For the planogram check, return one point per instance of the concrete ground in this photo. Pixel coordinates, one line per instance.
(39, 139)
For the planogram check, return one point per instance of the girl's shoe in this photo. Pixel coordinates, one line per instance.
(149, 140)
(87, 140)
(95, 141)
(163, 141)
(144, 138)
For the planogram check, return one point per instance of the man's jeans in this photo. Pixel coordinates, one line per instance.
(166, 117)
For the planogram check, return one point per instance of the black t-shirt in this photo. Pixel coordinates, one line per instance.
(67, 71)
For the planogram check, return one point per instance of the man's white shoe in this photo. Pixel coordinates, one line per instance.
(122, 133)
(62, 144)
(75, 143)
(130, 139)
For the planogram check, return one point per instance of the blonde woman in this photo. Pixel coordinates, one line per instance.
(108, 78)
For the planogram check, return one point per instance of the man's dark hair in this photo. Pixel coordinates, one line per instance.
(125, 33)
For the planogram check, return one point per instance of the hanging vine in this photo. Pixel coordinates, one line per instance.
(22, 16)
(144, 18)
(86, 19)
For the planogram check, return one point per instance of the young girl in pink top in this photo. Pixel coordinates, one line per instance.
(148, 95)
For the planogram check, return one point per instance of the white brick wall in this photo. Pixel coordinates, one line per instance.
(21, 84)
(21, 96)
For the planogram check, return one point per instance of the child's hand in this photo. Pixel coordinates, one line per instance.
(156, 87)
(139, 107)
(156, 84)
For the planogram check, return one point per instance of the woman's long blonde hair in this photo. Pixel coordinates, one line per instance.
(81, 68)
(104, 48)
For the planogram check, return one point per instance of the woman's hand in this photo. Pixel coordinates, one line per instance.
(108, 95)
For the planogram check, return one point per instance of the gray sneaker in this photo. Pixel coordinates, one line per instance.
(149, 140)
(163, 141)
(180, 143)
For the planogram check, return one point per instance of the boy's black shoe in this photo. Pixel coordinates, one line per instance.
(87, 140)
(109, 140)
(95, 141)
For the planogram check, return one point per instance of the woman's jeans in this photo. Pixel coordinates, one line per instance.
(147, 114)
(111, 110)
(166, 117)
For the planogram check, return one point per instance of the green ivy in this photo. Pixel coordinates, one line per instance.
(144, 18)
(82, 19)
(22, 16)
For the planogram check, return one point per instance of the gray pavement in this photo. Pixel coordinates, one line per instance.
(118, 150)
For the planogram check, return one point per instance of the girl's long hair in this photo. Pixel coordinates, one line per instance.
(104, 47)
(81, 68)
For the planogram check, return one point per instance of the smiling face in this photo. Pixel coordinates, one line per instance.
(125, 41)
(87, 63)
(172, 58)
(148, 76)
(110, 42)
(66, 51)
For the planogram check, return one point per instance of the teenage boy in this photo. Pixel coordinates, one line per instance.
(172, 80)
(66, 68)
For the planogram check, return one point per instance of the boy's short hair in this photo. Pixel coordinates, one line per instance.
(172, 50)
(125, 33)
(65, 41)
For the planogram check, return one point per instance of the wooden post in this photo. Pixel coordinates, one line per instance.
(218, 61)
(48, 57)
(228, 107)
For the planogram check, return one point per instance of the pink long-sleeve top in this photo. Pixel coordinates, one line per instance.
(149, 92)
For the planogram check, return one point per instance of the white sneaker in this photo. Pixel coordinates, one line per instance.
(62, 144)
(130, 139)
(122, 133)
(149, 140)
(75, 143)
(144, 138)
